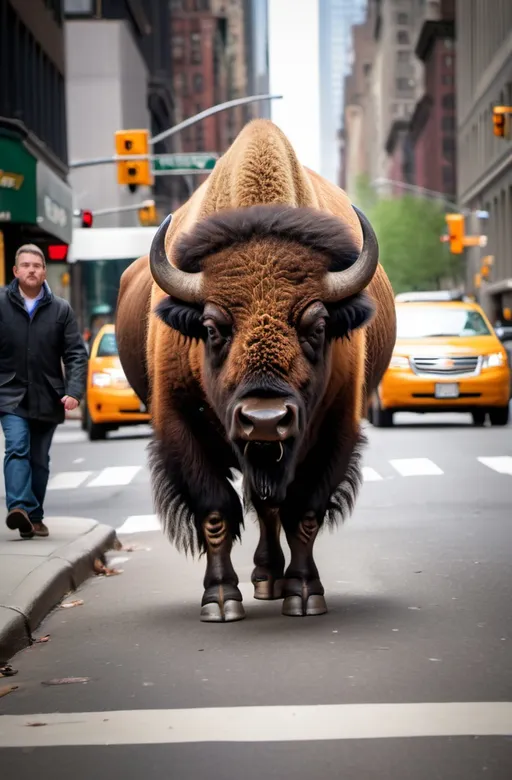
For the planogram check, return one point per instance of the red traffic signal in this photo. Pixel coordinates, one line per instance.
(86, 217)
(58, 252)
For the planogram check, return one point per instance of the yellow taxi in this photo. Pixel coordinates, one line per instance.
(447, 358)
(109, 401)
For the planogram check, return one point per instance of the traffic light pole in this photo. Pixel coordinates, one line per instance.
(172, 131)
(118, 209)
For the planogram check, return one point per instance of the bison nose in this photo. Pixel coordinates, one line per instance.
(265, 419)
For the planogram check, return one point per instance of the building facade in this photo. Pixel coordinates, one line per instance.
(35, 196)
(128, 87)
(336, 17)
(484, 178)
(433, 123)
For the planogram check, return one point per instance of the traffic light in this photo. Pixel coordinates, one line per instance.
(487, 263)
(133, 172)
(499, 121)
(147, 214)
(455, 224)
(86, 218)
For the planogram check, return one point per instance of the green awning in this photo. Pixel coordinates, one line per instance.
(18, 201)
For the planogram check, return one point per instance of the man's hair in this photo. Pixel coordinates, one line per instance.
(30, 249)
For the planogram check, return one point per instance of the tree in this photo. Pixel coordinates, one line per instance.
(408, 230)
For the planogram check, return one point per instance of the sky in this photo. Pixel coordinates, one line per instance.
(294, 73)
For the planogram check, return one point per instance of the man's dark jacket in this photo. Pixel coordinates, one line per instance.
(32, 349)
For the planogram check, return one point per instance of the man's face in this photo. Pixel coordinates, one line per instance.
(30, 271)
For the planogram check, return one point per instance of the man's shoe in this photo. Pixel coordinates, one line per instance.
(40, 529)
(18, 520)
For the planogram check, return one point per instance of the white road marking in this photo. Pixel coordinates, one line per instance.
(137, 524)
(503, 464)
(370, 475)
(65, 480)
(114, 475)
(415, 467)
(258, 724)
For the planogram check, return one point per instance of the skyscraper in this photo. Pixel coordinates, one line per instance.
(336, 18)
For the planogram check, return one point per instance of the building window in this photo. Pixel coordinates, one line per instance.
(404, 84)
(177, 47)
(78, 7)
(403, 56)
(448, 123)
(402, 37)
(448, 61)
(448, 80)
(448, 101)
(402, 18)
(198, 82)
(448, 179)
(367, 68)
(448, 43)
(177, 6)
(448, 145)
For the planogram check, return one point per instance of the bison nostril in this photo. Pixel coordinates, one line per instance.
(265, 419)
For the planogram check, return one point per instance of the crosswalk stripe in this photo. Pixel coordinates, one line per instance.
(65, 480)
(370, 475)
(114, 475)
(502, 464)
(278, 723)
(136, 524)
(415, 467)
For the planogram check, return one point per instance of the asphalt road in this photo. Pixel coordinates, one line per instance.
(408, 676)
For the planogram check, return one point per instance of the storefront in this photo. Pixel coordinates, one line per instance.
(36, 207)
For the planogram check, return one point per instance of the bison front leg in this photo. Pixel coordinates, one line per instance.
(267, 575)
(222, 600)
(303, 592)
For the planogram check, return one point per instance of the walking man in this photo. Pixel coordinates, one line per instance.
(38, 332)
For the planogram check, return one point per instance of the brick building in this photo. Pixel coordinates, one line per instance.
(210, 66)
(433, 123)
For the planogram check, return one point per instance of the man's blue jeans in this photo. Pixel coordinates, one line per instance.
(26, 463)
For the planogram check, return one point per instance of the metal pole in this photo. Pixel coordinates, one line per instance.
(172, 130)
(209, 112)
(117, 209)
(415, 188)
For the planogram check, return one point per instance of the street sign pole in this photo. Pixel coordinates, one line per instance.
(172, 131)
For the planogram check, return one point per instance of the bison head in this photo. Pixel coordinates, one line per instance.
(266, 289)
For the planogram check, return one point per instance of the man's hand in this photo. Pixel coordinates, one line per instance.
(69, 403)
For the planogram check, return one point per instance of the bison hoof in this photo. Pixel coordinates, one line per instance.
(268, 590)
(222, 613)
(296, 606)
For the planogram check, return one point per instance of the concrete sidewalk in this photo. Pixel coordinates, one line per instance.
(36, 574)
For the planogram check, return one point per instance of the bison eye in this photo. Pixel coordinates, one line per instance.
(217, 334)
(312, 339)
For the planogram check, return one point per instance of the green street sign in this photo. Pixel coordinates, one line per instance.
(181, 162)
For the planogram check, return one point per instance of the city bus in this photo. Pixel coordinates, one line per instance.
(97, 257)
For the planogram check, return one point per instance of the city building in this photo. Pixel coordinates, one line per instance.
(432, 128)
(219, 51)
(484, 171)
(388, 80)
(336, 18)
(357, 133)
(128, 87)
(35, 196)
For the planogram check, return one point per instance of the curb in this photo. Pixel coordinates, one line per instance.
(45, 587)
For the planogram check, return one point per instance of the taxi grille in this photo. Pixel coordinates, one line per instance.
(445, 366)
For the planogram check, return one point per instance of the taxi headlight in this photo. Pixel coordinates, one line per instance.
(398, 361)
(101, 379)
(493, 361)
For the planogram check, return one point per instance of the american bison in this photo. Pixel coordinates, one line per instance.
(256, 330)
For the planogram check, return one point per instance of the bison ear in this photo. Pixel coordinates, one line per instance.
(349, 314)
(183, 317)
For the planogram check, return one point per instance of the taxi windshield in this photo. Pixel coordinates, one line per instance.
(107, 346)
(419, 322)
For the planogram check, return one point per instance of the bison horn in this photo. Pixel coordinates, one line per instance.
(343, 284)
(180, 284)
